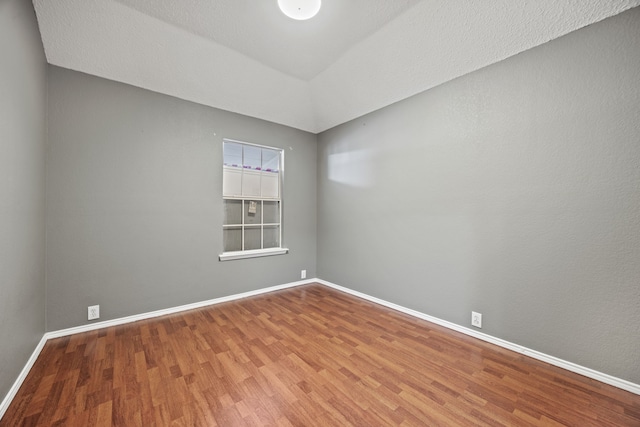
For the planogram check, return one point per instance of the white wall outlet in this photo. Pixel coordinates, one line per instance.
(93, 312)
(476, 319)
(303, 274)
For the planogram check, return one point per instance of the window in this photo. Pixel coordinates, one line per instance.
(251, 193)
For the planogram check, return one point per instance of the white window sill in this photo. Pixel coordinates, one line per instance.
(229, 256)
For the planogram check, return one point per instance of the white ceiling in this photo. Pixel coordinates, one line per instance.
(354, 57)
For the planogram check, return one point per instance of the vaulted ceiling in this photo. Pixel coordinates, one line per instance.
(354, 57)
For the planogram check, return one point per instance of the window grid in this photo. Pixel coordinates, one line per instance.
(267, 167)
(261, 224)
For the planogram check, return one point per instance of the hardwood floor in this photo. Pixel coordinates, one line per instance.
(306, 356)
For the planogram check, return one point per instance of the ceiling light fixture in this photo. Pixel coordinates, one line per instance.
(300, 9)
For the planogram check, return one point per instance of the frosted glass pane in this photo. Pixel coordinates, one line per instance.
(232, 239)
(271, 236)
(270, 159)
(252, 238)
(232, 212)
(252, 218)
(252, 157)
(231, 181)
(270, 185)
(271, 212)
(232, 154)
(250, 184)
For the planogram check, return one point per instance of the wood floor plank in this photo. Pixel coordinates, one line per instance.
(305, 356)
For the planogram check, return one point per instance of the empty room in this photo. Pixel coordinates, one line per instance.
(319, 213)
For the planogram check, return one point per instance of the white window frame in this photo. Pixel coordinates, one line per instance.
(254, 253)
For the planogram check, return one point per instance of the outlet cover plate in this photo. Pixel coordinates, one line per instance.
(93, 312)
(303, 274)
(476, 319)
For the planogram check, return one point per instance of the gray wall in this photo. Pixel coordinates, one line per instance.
(134, 201)
(513, 191)
(22, 189)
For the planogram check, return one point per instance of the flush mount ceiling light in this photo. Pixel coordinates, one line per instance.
(300, 9)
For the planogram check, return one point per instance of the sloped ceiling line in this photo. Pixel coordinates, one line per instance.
(354, 57)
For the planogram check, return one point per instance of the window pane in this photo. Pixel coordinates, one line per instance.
(232, 238)
(252, 157)
(270, 185)
(271, 236)
(250, 183)
(252, 212)
(270, 160)
(252, 238)
(231, 181)
(232, 212)
(232, 154)
(271, 212)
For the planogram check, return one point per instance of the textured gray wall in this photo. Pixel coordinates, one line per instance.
(134, 209)
(22, 153)
(513, 191)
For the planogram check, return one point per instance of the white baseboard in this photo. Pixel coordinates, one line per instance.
(23, 374)
(587, 372)
(552, 360)
(171, 310)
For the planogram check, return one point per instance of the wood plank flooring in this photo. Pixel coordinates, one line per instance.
(306, 356)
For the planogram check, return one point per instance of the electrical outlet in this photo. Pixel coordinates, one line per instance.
(476, 319)
(93, 312)
(303, 274)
